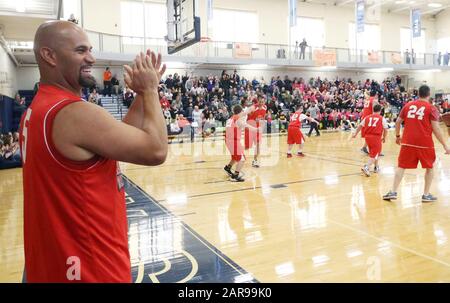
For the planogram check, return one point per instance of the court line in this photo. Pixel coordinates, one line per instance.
(259, 187)
(401, 247)
(193, 233)
(412, 251)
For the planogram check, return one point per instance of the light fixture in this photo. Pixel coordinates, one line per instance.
(430, 70)
(434, 5)
(175, 64)
(400, 2)
(254, 65)
(382, 69)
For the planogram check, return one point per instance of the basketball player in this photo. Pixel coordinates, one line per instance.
(295, 135)
(446, 119)
(233, 130)
(254, 119)
(421, 120)
(75, 223)
(368, 110)
(375, 135)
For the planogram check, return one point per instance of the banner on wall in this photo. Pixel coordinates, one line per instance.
(360, 16)
(416, 23)
(396, 58)
(242, 51)
(324, 57)
(292, 13)
(373, 57)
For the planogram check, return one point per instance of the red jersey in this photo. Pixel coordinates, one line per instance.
(418, 131)
(75, 223)
(374, 125)
(296, 119)
(232, 130)
(368, 107)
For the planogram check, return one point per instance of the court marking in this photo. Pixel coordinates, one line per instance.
(259, 187)
(209, 246)
(343, 225)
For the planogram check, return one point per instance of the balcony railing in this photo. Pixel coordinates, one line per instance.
(274, 54)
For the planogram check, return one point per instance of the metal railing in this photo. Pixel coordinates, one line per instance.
(276, 54)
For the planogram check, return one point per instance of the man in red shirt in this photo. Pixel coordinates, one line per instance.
(376, 131)
(295, 135)
(255, 119)
(75, 224)
(368, 110)
(233, 131)
(421, 121)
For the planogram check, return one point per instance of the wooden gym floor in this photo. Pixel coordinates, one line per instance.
(312, 219)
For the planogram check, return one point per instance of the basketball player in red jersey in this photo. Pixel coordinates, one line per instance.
(375, 135)
(368, 110)
(233, 131)
(421, 121)
(75, 224)
(295, 135)
(254, 119)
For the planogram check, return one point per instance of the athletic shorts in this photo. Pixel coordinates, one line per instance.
(374, 143)
(295, 135)
(410, 156)
(236, 150)
(251, 138)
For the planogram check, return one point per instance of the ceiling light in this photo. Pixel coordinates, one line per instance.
(175, 64)
(434, 5)
(382, 69)
(400, 2)
(254, 65)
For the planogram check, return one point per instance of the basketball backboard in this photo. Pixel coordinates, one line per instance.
(183, 24)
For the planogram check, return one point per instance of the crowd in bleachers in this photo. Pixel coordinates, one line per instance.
(9, 150)
(208, 100)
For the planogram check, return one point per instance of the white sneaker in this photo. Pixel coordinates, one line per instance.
(255, 163)
(366, 170)
(376, 169)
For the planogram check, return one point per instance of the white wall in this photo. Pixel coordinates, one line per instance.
(104, 16)
(443, 24)
(442, 81)
(8, 75)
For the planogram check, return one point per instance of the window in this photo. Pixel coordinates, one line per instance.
(418, 43)
(312, 29)
(235, 26)
(132, 19)
(443, 45)
(368, 40)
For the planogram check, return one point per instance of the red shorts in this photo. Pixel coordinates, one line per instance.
(295, 135)
(410, 156)
(251, 138)
(236, 150)
(375, 145)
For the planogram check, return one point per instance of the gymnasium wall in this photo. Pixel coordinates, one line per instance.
(443, 25)
(8, 75)
(104, 16)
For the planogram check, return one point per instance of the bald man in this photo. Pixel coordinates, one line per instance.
(75, 224)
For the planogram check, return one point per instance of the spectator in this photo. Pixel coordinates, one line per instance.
(107, 82)
(115, 85)
(72, 19)
(303, 46)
